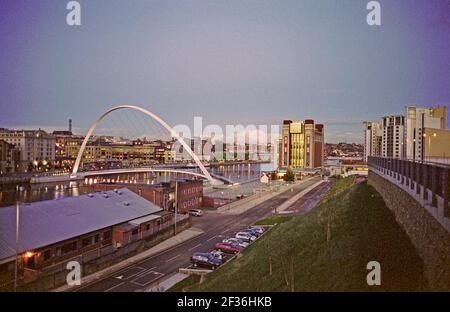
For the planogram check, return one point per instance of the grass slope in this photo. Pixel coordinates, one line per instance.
(325, 250)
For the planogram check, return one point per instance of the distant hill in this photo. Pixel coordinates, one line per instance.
(344, 150)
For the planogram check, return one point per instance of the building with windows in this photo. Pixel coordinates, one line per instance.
(417, 120)
(373, 137)
(301, 145)
(67, 147)
(190, 193)
(88, 228)
(393, 137)
(436, 145)
(9, 158)
(37, 148)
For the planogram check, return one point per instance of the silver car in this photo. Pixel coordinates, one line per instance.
(196, 212)
(237, 241)
(245, 236)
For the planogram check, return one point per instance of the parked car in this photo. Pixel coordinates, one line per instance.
(196, 212)
(234, 240)
(245, 236)
(228, 248)
(205, 259)
(258, 229)
(218, 254)
(252, 232)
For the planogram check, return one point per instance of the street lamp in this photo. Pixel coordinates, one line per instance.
(17, 245)
(176, 206)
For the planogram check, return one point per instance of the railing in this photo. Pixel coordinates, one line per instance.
(428, 183)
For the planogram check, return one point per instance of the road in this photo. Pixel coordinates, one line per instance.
(216, 227)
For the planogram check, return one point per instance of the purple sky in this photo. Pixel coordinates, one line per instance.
(232, 61)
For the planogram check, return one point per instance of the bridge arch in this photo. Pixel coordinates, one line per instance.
(153, 116)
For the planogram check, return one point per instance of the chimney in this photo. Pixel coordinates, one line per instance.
(70, 125)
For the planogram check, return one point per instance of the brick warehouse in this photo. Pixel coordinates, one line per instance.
(93, 228)
(190, 193)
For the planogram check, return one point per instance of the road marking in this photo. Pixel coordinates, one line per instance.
(129, 272)
(173, 258)
(209, 239)
(109, 289)
(147, 278)
(144, 272)
(223, 232)
(192, 248)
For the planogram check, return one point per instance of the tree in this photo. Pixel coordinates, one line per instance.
(290, 175)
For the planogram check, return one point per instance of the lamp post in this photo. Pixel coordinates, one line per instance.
(17, 245)
(176, 206)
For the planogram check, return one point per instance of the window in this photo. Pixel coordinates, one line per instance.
(134, 232)
(69, 247)
(107, 235)
(96, 238)
(47, 255)
(86, 242)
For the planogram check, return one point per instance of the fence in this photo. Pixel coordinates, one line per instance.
(428, 183)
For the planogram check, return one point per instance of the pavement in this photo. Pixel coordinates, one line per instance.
(287, 204)
(250, 202)
(158, 271)
(308, 201)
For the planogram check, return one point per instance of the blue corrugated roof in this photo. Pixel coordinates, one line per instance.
(48, 222)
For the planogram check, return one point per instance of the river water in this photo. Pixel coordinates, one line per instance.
(25, 192)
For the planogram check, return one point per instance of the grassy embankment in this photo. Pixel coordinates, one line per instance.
(327, 249)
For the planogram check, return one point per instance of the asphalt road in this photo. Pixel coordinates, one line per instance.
(216, 227)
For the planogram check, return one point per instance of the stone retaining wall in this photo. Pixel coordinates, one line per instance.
(431, 240)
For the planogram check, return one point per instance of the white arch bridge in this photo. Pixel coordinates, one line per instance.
(215, 181)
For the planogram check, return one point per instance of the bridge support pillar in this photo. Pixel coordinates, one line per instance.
(434, 185)
(418, 177)
(426, 181)
(412, 172)
(446, 192)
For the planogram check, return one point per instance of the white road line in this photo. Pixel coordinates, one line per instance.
(209, 239)
(223, 232)
(115, 286)
(173, 258)
(144, 272)
(192, 248)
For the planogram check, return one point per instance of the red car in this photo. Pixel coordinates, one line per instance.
(228, 248)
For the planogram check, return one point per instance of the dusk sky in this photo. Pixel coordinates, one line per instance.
(230, 62)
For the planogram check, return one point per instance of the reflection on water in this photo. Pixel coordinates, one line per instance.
(9, 194)
(238, 172)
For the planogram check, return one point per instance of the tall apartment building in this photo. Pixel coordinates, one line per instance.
(35, 146)
(301, 145)
(417, 120)
(373, 137)
(393, 137)
(319, 145)
(284, 148)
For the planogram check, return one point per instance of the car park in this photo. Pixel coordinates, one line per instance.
(218, 254)
(237, 241)
(251, 232)
(196, 212)
(228, 248)
(258, 229)
(245, 236)
(205, 259)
